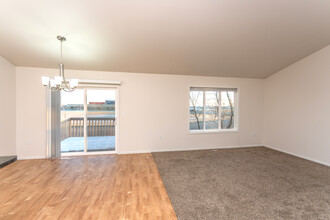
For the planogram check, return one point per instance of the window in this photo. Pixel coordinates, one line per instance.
(213, 109)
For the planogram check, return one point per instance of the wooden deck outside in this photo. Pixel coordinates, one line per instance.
(74, 127)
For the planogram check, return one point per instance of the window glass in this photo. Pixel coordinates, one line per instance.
(212, 110)
(196, 110)
(227, 109)
(101, 119)
(72, 121)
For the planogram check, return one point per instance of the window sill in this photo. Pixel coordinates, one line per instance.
(213, 131)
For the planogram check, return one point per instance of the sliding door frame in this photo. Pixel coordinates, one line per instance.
(98, 87)
(89, 85)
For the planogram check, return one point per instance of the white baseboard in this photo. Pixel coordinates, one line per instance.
(298, 155)
(30, 157)
(153, 150)
(72, 154)
(135, 152)
(192, 149)
(186, 149)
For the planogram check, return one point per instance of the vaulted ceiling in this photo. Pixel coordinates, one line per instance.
(235, 38)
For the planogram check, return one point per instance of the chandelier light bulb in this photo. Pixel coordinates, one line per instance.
(58, 80)
(73, 82)
(45, 80)
(52, 83)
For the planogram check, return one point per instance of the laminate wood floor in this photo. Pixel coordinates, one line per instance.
(87, 187)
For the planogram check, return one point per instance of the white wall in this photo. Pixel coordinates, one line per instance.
(153, 111)
(7, 109)
(297, 108)
(288, 111)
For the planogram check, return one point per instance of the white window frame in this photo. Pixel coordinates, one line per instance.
(219, 130)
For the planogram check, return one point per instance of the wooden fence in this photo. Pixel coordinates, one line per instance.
(74, 127)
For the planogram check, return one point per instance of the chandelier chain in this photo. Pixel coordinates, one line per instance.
(61, 52)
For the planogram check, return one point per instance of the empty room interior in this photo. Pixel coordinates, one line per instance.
(167, 110)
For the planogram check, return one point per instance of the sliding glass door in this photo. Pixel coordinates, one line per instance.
(72, 121)
(88, 120)
(101, 115)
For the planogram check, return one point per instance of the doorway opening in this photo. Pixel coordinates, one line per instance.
(88, 121)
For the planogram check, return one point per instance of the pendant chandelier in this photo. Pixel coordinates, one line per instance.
(59, 82)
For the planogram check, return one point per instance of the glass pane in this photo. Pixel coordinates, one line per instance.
(196, 110)
(100, 120)
(211, 110)
(72, 121)
(227, 109)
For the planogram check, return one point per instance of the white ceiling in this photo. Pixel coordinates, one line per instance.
(236, 38)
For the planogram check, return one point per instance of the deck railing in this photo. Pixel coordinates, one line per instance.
(74, 127)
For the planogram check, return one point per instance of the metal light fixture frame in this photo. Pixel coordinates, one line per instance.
(59, 82)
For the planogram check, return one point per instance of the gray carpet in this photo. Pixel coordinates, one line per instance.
(245, 183)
